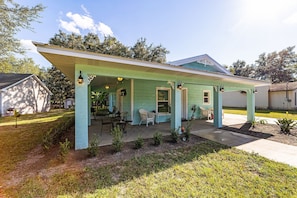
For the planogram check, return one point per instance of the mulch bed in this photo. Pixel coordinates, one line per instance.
(265, 131)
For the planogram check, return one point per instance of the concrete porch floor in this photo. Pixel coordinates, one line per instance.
(135, 131)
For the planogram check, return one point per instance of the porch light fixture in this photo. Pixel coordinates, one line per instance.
(180, 86)
(120, 79)
(106, 86)
(222, 89)
(255, 91)
(80, 79)
(123, 92)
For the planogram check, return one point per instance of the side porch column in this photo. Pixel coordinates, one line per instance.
(81, 112)
(175, 122)
(217, 107)
(250, 105)
(110, 101)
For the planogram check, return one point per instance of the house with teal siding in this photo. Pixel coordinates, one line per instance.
(170, 90)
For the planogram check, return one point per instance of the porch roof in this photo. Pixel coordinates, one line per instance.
(65, 60)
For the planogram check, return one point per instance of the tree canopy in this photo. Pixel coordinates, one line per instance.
(275, 66)
(111, 46)
(59, 85)
(14, 17)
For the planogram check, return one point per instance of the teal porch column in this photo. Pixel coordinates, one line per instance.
(250, 105)
(175, 108)
(217, 107)
(89, 104)
(81, 112)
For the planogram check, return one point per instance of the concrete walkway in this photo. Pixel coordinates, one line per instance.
(270, 149)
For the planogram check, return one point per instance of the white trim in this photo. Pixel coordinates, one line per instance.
(199, 59)
(209, 97)
(132, 100)
(24, 79)
(169, 97)
(185, 90)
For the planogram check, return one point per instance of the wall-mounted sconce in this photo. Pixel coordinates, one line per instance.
(222, 89)
(255, 91)
(120, 79)
(80, 79)
(106, 86)
(123, 92)
(180, 86)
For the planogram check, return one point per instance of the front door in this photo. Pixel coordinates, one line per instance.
(184, 104)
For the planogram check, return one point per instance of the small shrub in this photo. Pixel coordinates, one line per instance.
(158, 138)
(175, 134)
(187, 132)
(117, 141)
(263, 122)
(286, 125)
(253, 124)
(64, 149)
(47, 140)
(139, 143)
(93, 149)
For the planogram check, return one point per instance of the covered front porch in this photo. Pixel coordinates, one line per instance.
(146, 81)
(103, 133)
(198, 126)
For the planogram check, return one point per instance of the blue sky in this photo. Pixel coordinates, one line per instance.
(226, 30)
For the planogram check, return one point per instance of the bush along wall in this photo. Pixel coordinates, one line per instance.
(54, 135)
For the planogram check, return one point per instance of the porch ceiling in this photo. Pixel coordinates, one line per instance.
(66, 59)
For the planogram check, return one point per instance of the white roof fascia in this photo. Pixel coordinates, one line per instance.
(45, 48)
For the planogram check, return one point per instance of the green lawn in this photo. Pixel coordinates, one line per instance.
(207, 169)
(265, 113)
(17, 142)
(204, 170)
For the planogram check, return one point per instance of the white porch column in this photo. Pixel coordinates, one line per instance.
(250, 105)
(110, 97)
(81, 112)
(217, 107)
(175, 108)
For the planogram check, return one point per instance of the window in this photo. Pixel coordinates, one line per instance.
(163, 100)
(206, 97)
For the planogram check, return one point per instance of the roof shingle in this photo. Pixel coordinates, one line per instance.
(7, 79)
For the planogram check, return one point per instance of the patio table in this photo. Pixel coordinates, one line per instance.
(122, 124)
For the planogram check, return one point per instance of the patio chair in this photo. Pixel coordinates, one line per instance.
(147, 117)
(205, 113)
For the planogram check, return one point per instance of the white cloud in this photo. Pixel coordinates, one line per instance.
(104, 29)
(28, 45)
(292, 19)
(84, 22)
(69, 26)
(85, 10)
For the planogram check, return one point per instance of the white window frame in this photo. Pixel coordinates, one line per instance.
(157, 97)
(208, 97)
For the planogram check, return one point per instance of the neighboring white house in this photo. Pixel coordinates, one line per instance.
(23, 92)
(283, 96)
(238, 98)
(276, 96)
